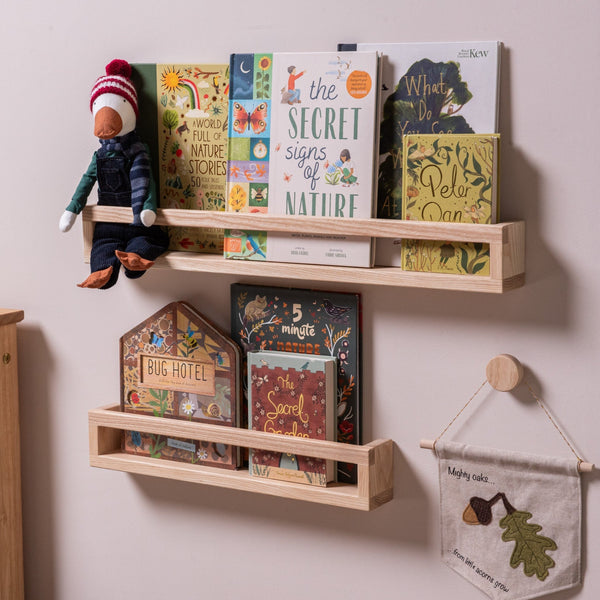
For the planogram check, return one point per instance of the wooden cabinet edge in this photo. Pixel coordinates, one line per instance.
(11, 511)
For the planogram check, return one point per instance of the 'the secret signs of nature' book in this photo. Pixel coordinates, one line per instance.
(450, 178)
(302, 141)
(177, 365)
(292, 394)
(429, 87)
(183, 118)
(310, 322)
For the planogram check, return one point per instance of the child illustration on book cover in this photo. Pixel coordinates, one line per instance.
(341, 171)
(291, 94)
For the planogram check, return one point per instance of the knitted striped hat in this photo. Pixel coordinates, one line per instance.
(116, 81)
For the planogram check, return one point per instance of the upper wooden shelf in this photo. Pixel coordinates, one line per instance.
(506, 240)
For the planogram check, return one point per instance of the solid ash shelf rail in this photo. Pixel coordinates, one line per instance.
(506, 240)
(374, 461)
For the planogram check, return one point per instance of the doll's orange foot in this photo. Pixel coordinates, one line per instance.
(97, 279)
(133, 261)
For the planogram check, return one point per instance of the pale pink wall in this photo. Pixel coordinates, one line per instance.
(93, 534)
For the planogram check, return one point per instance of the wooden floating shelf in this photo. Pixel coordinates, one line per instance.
(506, 240)
(374, 460)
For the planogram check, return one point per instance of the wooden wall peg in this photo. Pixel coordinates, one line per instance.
(504, 372)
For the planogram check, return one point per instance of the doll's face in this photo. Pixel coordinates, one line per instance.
(113, 116)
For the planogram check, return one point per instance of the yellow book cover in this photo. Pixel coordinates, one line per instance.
(184, 121)
(449, 178)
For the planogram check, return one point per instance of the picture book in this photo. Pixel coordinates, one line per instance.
(310, 322)
(178, 365)
(183, 117)
(430, 87)
(292, 394)
(302, 141)
(451, 178)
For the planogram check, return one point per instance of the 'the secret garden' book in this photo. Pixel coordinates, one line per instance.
(451, 178)
(183, 117)
(302, 141)
(292, 394)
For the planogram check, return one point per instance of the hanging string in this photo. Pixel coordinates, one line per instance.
(458, 414)
(562, 435)
(540, 403)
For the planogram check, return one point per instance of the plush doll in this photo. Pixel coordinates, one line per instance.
(122, 169)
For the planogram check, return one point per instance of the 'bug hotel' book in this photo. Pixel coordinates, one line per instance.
(302, 141)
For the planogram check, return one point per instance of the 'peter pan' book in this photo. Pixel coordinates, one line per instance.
(183, 117)
(302, 141)
(309, 322)
(451, 178)
(292, 394)
(177, 365)
(430, 87)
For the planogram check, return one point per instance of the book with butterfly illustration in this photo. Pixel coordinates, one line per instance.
(429, 87)
(450, 178)
(311, 323)
(183, 117)
(176, 364)
(292, 394)
(303, 133)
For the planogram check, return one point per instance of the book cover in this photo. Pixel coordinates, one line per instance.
(311, 322)
(178, 365)
(292, 394)
(183, 110)
(429, 87)
(451, 178)
(302, 141)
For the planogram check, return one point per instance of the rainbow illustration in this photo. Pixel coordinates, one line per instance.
(193, 90)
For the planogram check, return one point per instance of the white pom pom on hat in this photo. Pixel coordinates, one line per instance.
(116, 81)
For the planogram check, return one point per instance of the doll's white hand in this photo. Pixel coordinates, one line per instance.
(148, 217)
(66, 221)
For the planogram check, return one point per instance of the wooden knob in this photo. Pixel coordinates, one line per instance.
(504, 372)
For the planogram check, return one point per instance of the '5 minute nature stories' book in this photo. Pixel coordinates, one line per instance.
(302, 141)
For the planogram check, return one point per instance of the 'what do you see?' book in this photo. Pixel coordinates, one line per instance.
(302, 141)
(428, 88)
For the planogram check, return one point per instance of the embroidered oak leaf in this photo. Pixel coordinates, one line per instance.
(530, 548)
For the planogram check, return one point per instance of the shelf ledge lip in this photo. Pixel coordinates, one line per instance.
(382, 228)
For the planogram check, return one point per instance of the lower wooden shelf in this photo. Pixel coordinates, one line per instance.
(374, 461)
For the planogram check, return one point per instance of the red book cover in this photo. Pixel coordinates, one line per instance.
(292, 394)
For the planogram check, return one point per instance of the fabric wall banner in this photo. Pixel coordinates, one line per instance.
(510, 522)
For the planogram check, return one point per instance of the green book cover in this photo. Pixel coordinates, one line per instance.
(449, 178)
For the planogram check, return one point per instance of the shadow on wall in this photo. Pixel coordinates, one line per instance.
(387, 524)
(39, 536)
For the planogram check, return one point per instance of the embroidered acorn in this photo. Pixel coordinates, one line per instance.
(479, 511)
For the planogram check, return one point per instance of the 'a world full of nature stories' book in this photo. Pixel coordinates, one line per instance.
(292, 394)
(302, 140)
(183, 110)
(451, 178)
